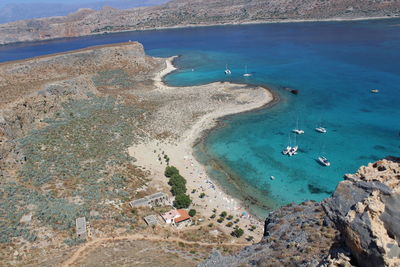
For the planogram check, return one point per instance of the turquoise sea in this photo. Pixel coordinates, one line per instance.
(334, 65)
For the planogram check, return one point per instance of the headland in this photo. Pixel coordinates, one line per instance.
(84, 133)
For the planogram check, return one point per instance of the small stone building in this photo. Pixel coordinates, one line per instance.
(151, 220)
(81, 227)
(156, 199)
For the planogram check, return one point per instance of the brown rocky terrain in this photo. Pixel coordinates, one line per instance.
(358, 225)
(182, 13)
(66, 123)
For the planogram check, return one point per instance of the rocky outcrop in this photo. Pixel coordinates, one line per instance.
(359, 224)
(366, 210)
(178, 13)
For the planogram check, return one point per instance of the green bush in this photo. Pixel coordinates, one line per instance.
(202, 195)
(192, 212)
(223, 214)
(182, 201)
(238, 232)
(170, 171)
(178, 190)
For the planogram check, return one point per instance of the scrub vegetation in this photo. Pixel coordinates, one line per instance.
(73, 165)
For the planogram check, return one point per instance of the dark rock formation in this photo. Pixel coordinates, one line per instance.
(359, 224)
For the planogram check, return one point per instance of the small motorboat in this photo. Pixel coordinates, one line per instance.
(324, 161)
(321, 129)
(272, 177)
(375, 91)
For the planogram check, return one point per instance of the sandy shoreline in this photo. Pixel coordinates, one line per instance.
(181, 156)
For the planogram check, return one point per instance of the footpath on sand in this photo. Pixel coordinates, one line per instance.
(93, 244)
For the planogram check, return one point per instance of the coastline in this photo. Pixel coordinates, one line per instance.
(182, 156)
(187, 26)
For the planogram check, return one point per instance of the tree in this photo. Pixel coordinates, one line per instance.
(178, 189)
(178, 184)
(192, 212)
(182, 201)
(170, 171)
(238, 232)
(176, 180)
(202, 195)
(223, 214)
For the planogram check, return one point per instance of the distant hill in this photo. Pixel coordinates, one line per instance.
(22, 11)
(180, 13)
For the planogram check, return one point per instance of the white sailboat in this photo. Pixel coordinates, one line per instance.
(294, 149)
(297, 130)
(246, 74)
(320, 129)
(227, 70)
(288, 148)
(291, 150)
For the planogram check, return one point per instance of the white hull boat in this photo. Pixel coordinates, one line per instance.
(246, 74)
(324, 161)
(297, 130)
(227, 71)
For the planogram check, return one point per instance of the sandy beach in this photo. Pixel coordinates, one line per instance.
(181, 156)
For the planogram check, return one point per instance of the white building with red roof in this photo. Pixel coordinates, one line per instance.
(176, 217)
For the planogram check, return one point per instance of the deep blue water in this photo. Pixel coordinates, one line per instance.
(334, 65)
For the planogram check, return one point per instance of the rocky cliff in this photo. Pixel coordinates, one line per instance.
(358, 225)
(178, 13)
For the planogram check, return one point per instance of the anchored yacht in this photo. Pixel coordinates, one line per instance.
(324, 161)
(246, 74)
(227, 70)
(297, 130)
(321, 129)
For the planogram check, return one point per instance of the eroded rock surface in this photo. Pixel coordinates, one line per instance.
(359, 224)
(365, 209)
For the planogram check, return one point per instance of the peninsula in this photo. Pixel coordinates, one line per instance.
(84, 134)
(190, 13)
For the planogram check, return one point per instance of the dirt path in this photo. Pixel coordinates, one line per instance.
(137, 237)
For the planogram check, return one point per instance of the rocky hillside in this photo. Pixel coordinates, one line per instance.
(358, 225)
(178, 13)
